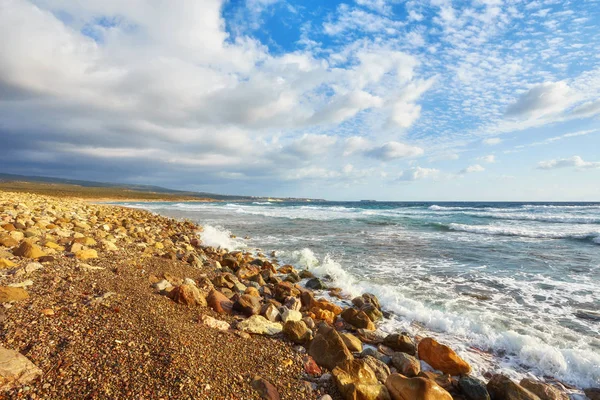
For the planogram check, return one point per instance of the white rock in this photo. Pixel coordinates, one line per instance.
(162, 285)
(290, 315)
(215, 323)
(189, 281)
(16, 369)
(31, 267)
(260, 325)
(23, 284)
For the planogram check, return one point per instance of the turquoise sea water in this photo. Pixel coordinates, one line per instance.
(515, 287)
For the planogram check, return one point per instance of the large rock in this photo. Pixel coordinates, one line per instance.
(442, 357)
(265, 389)
(188, 295)
(16, 369)
(86, 254)
(315, 284)
(543, 390)
(247, 305)
(501, 387)
(284, 290)
(8, 294)
(403, 388)
(290, 315)
(358, 319)
(328, 348)
(381, 370)
(355, 380)
(260, 325)
(28, 249)
(271, 312)
(473, 389)
(219, 302)
(373, 312)
(406, 364)
(400, 342)
(297, 332)
(352, 342)
(592, 393)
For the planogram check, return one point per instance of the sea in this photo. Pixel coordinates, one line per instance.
(512, 287)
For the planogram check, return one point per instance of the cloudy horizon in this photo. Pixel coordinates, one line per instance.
(354, 99)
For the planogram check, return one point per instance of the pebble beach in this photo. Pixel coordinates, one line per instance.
(103, 302)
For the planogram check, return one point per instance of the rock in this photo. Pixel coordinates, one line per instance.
(247, 305)
(352, 342)
(23, 284)
(270, 312)
(372, 312)
(442, 357)
(369, 351)
(9, 294)
(16, 369)
(543, 390)
(307, 299)
(293, 303)
(214, 323)
(315, 284)
(323, 315)
(358, 319)
(252, 291)
(297, 332)
(403, 388)
(406, 364)
(219, 302)
(592, 393)
(28, 249)
(265, 389)
(108, 245)
(162, 285)
(401, 342)
(326, 397)
(283, 290)
(306, 274)
(86, 254)
(260, 325)
(371, 337)
(501, 387)
(328, 348)
(290, 315)
(381, 370)
(473, 389)
(188, 295)
(6, 264)
(48, 312)
(310, 366)
(355, 380)
(292, 277)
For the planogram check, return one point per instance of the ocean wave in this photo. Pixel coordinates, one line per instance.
(556, 218)
(464, 330)
(220, 237)
(523, 232)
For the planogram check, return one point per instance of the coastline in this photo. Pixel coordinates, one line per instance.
(119, 309)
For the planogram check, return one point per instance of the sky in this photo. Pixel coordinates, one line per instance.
(352, 99)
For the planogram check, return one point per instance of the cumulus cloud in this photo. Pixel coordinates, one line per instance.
(394, 150)
(492, 141)
(542, 99)
(575, 161)
(472, 168)
(417, 173)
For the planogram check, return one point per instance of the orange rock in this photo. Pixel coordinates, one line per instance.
(28, 249)
(323, 315)
(403, 388)
(327, 305)
(442, 357)
(219, 302)
(188, 295)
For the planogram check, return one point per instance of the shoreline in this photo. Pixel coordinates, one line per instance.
(268, 313)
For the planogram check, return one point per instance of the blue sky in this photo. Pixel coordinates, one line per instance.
(382, 99)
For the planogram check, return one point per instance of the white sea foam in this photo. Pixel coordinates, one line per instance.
(527, 232)
(220, 237)
(466, 328)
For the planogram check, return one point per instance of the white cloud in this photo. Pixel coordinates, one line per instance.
(492, 141)
(472, 168)
(309, 145)
(542, 99)
(394, 150)
(488, 159)
(417, 173)
(574, 161)
(355, 144)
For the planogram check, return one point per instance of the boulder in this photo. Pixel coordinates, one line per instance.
(293, 303)
(543, 390)
(265, 389)
(270, 312)
(370, 337)
(501, 387)
(283, 290)
(355, 380)
(297, 332)
(473, 389)
(16, 369)
(403, 388)
(260, 325)
(406, 364)
(219, 302)
(352, 342)
(372, 312)
(188, 295)
(358, 319)
(86, 254)
(592, 393)
(315, 284)
(381, 370)
(442, 357)
(28, 249)
(290, 315)
(247, 305)
(400, 342)
(9, 294)
(328, 348)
